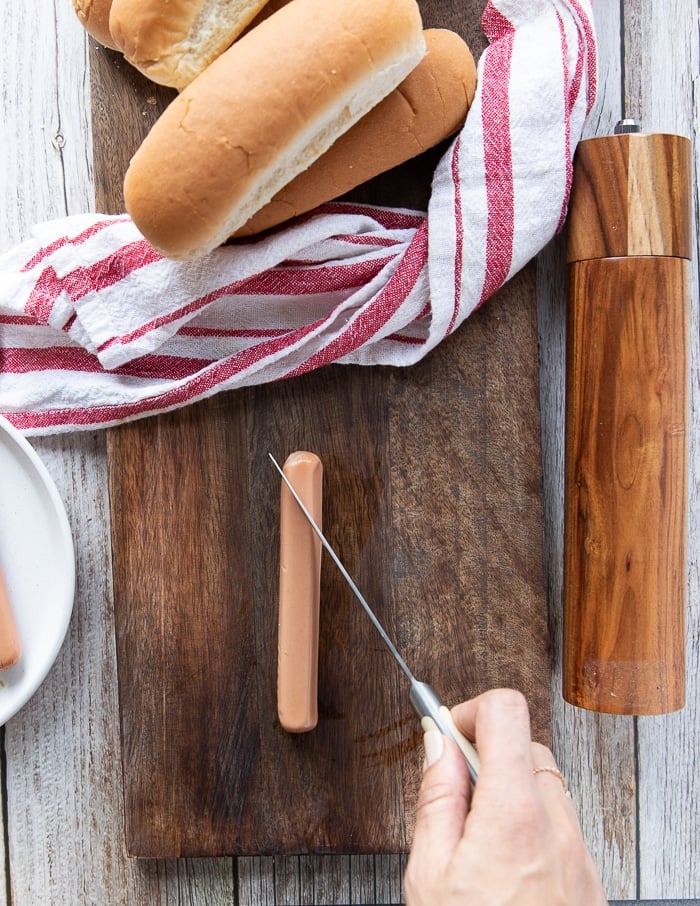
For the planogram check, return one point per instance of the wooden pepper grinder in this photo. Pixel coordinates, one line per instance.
(629, 251)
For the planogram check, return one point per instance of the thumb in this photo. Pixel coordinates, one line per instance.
(443, 801)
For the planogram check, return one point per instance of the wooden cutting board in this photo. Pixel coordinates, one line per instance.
(433, 500)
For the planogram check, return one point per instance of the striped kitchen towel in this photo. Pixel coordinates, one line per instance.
(96, 328)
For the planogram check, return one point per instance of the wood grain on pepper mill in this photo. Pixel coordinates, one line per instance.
(626, 437)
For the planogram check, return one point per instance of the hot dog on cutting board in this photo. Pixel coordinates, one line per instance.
(262, 112)
(428, 106)
(299, 595)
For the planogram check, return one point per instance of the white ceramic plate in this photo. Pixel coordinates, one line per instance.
(38, 562)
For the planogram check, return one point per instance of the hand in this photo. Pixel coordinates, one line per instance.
(518, 843)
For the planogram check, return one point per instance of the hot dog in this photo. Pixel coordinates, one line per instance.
(299, 595)
(172, 41)
(262, 112)
(10, 646)
(429, 105)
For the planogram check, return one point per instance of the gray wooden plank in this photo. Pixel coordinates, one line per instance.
(169, 882)
(389, 872)
(661, 93)
(331, 879)
(46, 167)
(5, 896)
(63, 778)
(287, 879)
(306, 879)
(63, 773)
(363, 879)
(256, 881)
(362, 876)
(596, 752)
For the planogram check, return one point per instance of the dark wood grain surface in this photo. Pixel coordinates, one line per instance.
(432, 498)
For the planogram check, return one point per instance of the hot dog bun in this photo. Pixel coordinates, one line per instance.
(242, 130)
(172, 41)
(94, 16)
(428, 106)
(270, 7)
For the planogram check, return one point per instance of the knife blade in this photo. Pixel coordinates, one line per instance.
(431, 712)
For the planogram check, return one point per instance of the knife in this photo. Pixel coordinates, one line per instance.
(432, 714)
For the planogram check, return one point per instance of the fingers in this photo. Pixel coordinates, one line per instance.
(499, 722)
(546, 767)
(519, 841)
(550, 785)
(542, 756)
(442, 810)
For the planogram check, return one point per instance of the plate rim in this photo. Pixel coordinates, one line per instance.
(27, 451)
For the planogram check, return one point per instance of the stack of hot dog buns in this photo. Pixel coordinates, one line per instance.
(428, 106)
(306, 104)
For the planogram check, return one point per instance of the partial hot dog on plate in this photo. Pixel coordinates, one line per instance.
(263, 112)
(428, 106)
(10, 645)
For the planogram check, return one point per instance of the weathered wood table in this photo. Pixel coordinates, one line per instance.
(634, 780)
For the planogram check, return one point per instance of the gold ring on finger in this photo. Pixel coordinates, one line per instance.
(546, 769)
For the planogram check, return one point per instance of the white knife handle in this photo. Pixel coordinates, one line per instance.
(434, 715)
(467, 748)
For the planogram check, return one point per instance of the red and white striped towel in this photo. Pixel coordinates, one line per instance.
(96, 328)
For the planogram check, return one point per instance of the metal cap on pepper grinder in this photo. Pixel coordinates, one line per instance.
(629, 250)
